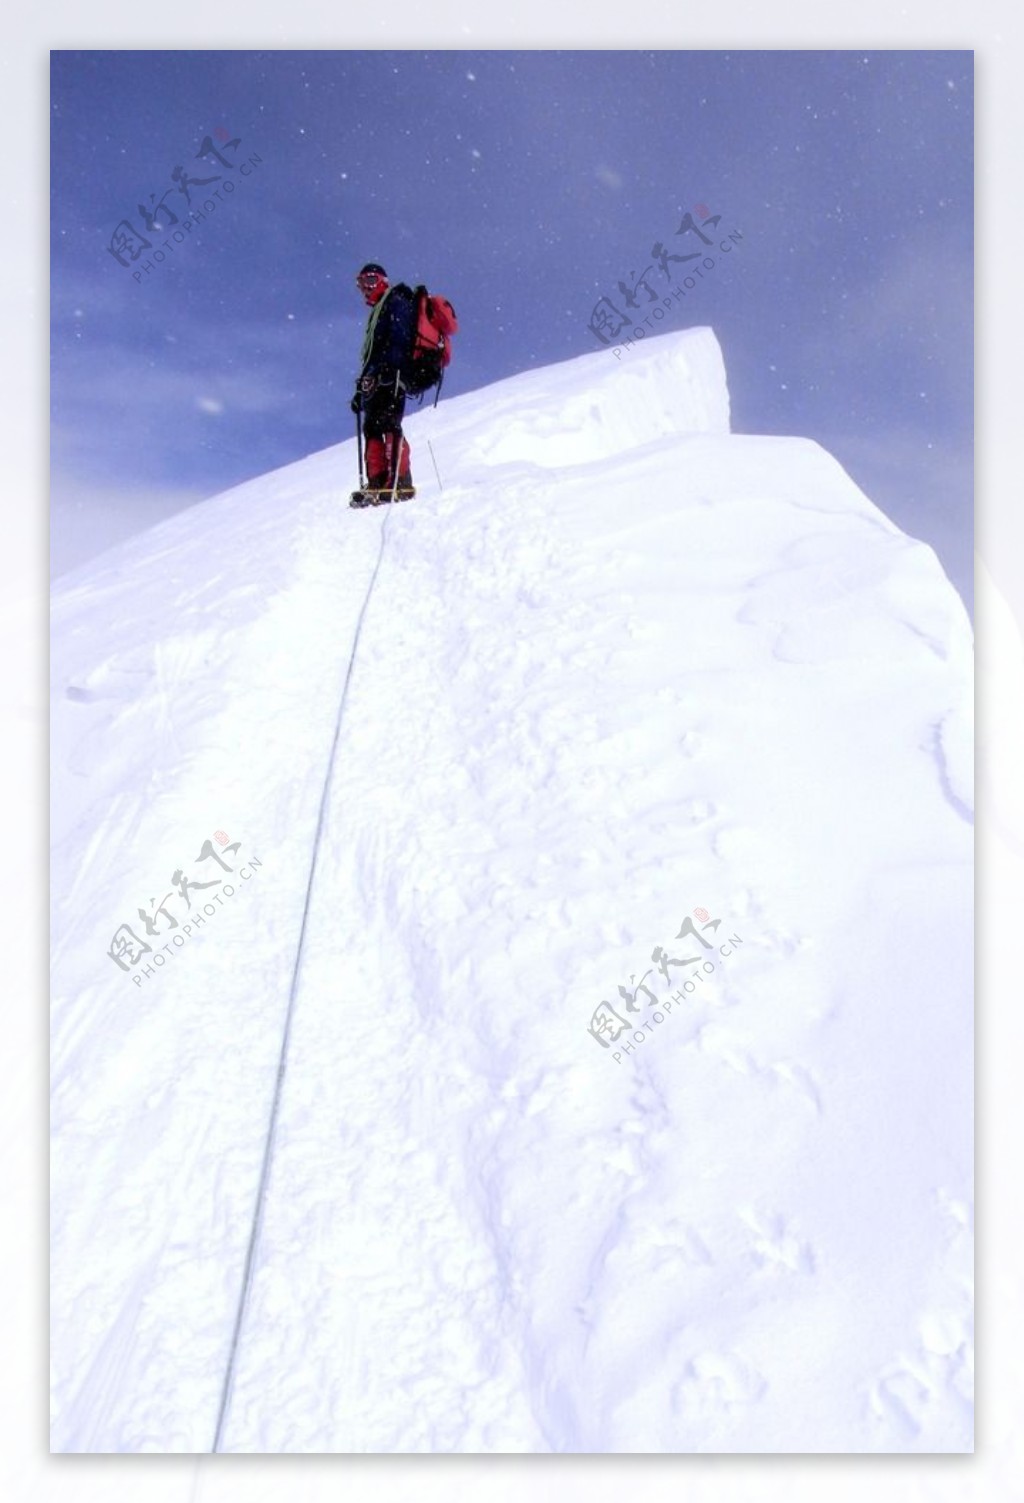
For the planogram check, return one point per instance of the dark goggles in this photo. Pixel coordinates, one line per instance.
(366, 281)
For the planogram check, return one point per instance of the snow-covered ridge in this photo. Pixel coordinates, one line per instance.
(593, 407)
(625, 669)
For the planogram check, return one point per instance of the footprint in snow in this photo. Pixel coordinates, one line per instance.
(716, 1385)
(691, 743)
(700, 810)
(775, 1247)
(800, 1080)
(899, 1399)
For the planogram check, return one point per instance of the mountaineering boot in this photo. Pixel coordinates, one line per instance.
(378, 489)
(375, 492)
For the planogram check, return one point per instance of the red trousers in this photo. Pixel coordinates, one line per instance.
(380, 459)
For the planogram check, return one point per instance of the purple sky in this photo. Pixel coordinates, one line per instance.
(526, 186)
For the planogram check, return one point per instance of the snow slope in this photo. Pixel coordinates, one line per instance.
(348, 1171)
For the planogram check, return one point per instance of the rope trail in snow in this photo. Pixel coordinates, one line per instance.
(268, 1147)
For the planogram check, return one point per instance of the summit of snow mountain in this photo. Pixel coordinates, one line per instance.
(580, 1060)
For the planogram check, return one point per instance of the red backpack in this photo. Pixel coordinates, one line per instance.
(430, 350)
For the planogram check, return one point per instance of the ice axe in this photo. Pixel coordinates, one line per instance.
(359, 438)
